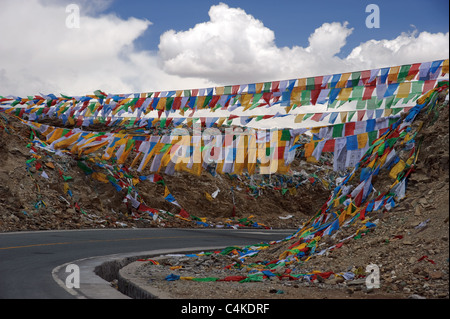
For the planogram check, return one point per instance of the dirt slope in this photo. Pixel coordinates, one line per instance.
(43, 190)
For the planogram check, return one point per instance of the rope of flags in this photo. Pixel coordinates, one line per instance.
(369, 89)
(354, 201)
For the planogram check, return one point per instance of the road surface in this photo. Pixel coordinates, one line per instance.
(30, 262)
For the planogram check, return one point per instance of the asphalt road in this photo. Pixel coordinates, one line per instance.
(27, 259)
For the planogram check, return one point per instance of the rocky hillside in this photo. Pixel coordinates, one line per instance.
(46, 190)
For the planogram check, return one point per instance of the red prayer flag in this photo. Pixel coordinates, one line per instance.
(349, 128)
(368, 92)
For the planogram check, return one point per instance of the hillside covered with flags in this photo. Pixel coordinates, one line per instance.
(337, 158)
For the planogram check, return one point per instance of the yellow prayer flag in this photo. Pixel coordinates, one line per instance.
(344, 95)
(161, 103)
(296, 95)
(258, 87)
(362, 140)
(100, 177)
(66, 142)
(57, 133)
(299, 118)
(301, 84)
(445, 67)
(166, 191)
(220, 90)
(66, 188)
(343, 81)
(309, 149)
(403, 90)
(393, 74)
(245, 100)
(397, 169)
(221, 120)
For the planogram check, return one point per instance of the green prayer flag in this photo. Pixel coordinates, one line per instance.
(372, 136)
(253, 278)
(86, 169)
(355, 78)
(285, 135)
(350, 115)
(417, 87)
(227, 90)
(357, 92)
(361, 104)
(305, 97)
(130, 143)
(372, 103)
(337, 130)
(332, 105)
(169, 102)
(389, 102)
(206, 279)
(165, 148)
(310, 84)
(396, 110)
(404, 70)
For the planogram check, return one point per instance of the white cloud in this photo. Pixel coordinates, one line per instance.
(40, 54)
(328, 39)
(234, 47)
(406, 48)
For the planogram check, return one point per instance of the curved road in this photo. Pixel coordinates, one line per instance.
(28, 260)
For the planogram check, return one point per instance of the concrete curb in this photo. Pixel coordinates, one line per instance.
(96, 274)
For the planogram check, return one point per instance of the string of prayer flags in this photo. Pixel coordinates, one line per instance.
(405, 82)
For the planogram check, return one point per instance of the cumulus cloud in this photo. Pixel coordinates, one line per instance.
(406, 48)
(234, 47)
(40, 54)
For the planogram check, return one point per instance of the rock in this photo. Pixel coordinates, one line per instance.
(334, 281)
(349, 291)
(369, 290)
(436, 275)
(356, 282)
(417, 211)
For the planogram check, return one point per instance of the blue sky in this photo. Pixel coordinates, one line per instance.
(292, 21)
